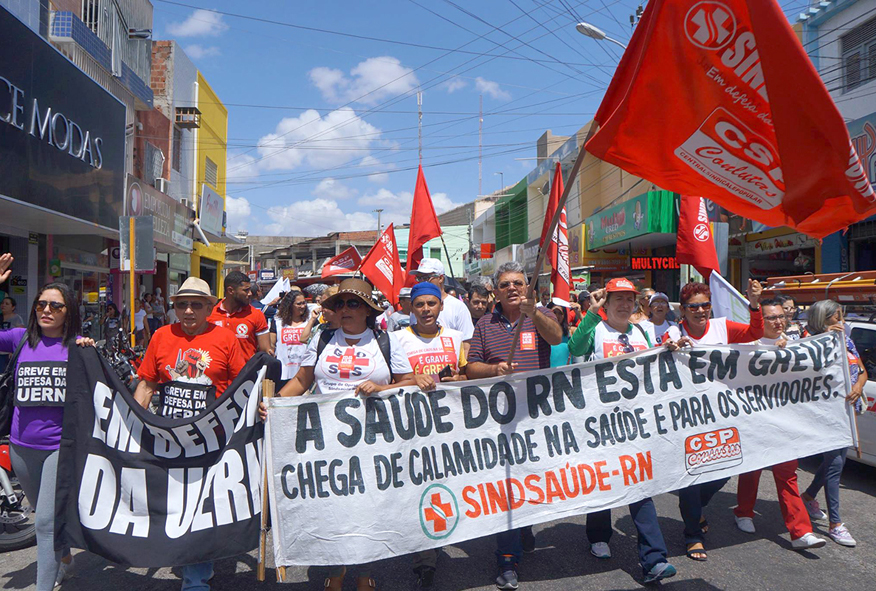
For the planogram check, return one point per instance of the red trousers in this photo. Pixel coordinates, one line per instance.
(793, 510)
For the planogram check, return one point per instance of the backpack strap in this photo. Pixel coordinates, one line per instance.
(324, 338)
(644, 334)
(10, 367)
(386, 349)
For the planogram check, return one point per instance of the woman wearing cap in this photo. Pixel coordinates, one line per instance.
(697, 329)
(658, 305)
(353, 357)
(602, 339)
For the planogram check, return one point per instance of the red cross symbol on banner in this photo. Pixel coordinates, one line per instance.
(347, 362)
(438, 512)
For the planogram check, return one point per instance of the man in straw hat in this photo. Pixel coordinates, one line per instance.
(187, 364)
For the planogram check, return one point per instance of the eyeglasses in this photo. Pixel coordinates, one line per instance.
(186, 304)
(54, 306)
(506, 284)
(625, 341)
(693, 307)
(774, 317)
(352, 304)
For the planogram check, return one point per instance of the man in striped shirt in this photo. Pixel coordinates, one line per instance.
(488, 357)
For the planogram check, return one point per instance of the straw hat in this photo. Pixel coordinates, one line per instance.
(356, 287)
(194, 288)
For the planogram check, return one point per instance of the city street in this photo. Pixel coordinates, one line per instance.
(737, 561)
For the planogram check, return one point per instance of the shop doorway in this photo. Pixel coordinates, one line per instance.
(208, 274)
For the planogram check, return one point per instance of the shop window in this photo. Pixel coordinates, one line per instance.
(177, 149)
(154, 164)
(859, 56)
(211, 174)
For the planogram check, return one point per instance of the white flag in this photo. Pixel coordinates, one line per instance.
(726, 301)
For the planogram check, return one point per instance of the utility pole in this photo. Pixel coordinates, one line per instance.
(481, 147)
(378, 211)
(420, 124)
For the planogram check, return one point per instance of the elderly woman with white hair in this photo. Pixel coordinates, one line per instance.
(823, 316)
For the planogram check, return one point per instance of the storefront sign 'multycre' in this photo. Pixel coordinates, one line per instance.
(62, 136)
(148, 491)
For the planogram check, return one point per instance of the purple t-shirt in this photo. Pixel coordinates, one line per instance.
(41, 383)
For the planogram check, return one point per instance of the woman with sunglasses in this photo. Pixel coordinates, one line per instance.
(697, 328)
(601, 339)
(290, 330)
(52, 328)
(355, 358)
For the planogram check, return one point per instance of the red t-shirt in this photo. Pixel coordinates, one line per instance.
(213, 356)
(246, 324)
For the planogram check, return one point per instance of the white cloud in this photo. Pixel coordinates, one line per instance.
(491, 88)
(454, 84)
(238, 211)
(378, 175)
(201, 23)
(241, 168)
(330, 188)
(318, 141)
(197, 52)
(315, 217)
(370, 82)
(397, 206)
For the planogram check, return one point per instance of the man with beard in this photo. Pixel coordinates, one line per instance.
(235, 313)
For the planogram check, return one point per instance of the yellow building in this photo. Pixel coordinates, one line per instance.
(210, 168)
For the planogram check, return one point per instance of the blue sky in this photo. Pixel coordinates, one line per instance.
(323, 127)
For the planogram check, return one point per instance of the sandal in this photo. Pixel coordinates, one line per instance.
(701, 552)
(335, 583)
(704, 525)
(365, 584)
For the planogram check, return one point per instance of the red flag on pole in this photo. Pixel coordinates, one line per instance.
(558, 248)
(695, 244)
(424, 225)
(382, 267)
(346, 262)
(751, 126)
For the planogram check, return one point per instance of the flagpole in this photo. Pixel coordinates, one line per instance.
(447, 254)
(542, 251)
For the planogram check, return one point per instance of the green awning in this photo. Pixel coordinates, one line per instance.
(653, 212)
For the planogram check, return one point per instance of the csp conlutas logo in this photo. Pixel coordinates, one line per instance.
(710, 25)
(439, 512)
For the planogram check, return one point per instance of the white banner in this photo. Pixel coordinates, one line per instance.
(353, 480)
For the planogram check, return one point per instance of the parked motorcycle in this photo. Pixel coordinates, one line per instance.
(17, 519)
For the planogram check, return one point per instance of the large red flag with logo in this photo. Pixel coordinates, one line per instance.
(695, 244)
(424, 225)
(382, 267)
(719, 99)
(346, 262)
(558, 247)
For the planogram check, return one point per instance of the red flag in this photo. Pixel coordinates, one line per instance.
(719, 99)
(382, 267)
(346, 262)
(424, 225)
(695, 244)
(558, 249)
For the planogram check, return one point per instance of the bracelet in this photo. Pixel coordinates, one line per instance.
(753, 309)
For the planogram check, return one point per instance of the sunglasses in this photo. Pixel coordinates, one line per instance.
(506, 284)
(693, 307)
(186, 304)
(54, 306)
(625, 341)
(352, 304)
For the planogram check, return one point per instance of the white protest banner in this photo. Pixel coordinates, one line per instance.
(353, 480)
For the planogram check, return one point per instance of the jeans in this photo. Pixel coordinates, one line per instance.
(509, 548)
(793, 510)
(828, 476)
(652, 547)
(691, 501)
(196, 577)
(37, 470)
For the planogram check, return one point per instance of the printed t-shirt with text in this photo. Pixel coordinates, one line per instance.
(189, 369)
(429, 354)
(40, 390)
(290, 346)
(247, 324)
(342, 367)
(608, 342)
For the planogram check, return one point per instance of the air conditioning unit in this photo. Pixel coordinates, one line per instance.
(162, 185)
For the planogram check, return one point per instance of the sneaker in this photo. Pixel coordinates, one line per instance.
(600, 550)
(507, 578)
(840, 534)
(64, 570)
(745, 524)
(815, 512)
(808, 541)
(425, 577)
(527, 538)
(661, 571)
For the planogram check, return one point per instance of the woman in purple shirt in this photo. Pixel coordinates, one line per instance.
(40, 391)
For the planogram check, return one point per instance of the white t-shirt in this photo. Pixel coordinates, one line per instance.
(140, 319)
(290, 348)
(660, 329)
(429, 355)
(716, 333)
(456, 316)
(342, 367)
(649, 327)
(607, 342)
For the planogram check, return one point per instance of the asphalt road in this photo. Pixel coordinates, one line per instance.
(737, 561)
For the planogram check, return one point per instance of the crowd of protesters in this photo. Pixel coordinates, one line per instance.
(436, 334)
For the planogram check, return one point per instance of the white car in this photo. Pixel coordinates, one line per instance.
(863, 334)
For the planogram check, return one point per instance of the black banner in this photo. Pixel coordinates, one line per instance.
(149, 491)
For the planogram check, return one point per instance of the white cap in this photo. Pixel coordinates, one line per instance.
(405, 292)
(430, 267)
(658, 296)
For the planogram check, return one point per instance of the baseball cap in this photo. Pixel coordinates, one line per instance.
(404, 293)
(620, 284)
(583, 294)
(430, 267)
(658, 296)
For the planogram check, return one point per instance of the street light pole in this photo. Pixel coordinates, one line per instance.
(501, 178)
(378, 211)
(595, 32)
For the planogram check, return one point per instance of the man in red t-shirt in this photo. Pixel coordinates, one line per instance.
(245, 322)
